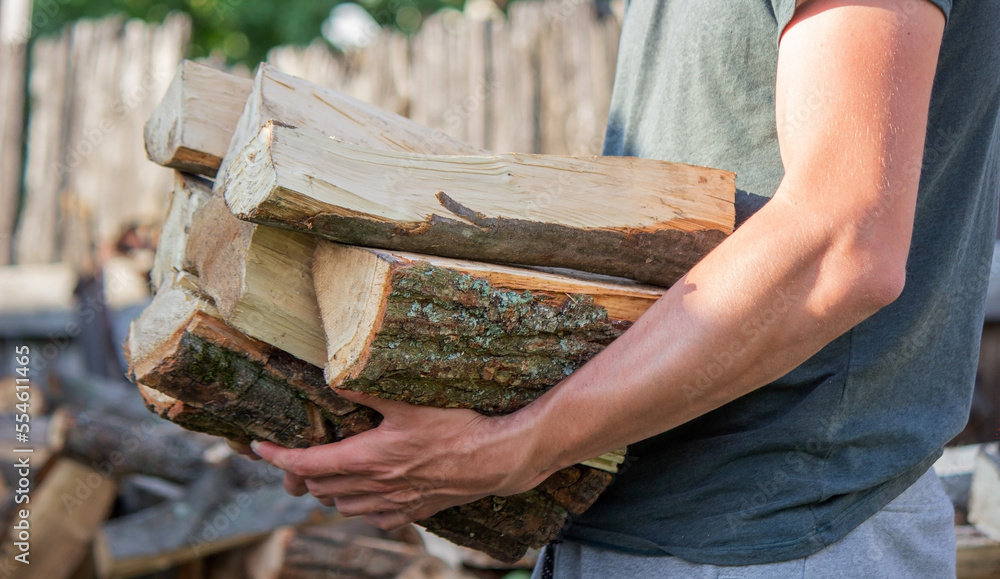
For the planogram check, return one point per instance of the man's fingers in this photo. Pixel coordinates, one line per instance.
(317, 461)
(347, 486)
(295, 485)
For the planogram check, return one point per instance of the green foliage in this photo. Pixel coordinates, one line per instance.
(243, 30)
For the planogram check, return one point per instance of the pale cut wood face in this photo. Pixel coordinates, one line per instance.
(191, 128)
(620, 193)
(351, 289)
(159, 324)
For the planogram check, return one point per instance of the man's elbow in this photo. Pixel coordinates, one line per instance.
(885, 285)
(875, 284)
(858, 277)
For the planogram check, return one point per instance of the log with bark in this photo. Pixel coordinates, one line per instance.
(119, 446)
(444, 332)
(66, 511)
(212, 515)
(191, 127)
(635, 218)
(259, 277)
(340, 549)
(208, 377)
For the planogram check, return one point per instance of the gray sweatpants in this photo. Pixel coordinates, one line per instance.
(912, 536)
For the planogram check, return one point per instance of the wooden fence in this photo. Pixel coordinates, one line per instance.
(537, 81)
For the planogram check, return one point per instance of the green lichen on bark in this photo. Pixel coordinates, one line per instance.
(243, 399)
(453, 339)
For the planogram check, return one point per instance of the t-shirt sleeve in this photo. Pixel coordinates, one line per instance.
(784, 9)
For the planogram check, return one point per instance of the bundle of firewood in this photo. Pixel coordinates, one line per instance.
(345, 246)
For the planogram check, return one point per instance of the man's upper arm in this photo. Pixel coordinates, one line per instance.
(853, 90)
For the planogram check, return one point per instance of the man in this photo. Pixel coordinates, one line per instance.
(784, 401)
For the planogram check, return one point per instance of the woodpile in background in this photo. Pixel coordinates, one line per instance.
(971, 477)
(255, 319)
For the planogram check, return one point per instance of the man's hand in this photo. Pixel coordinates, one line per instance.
(420, 460)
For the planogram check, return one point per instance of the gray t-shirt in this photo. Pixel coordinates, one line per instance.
(792, 467)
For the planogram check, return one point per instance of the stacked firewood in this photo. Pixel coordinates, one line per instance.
(105, 489)
(314, 241)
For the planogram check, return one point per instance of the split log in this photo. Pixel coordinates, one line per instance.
(146, 541)
(191, 127)
(292, 101)
(211, 516)
(449, 333)
(118, 446)
(208, 377)
(189, 195)
(635, 218)
(66, 510)
(96, 392)
(259, 278)
(113, 445)
(47, 437)
(506, 527)
(340, 550)
(984, 496)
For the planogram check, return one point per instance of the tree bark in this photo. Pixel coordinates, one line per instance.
(340, 550)
(447, 333)
(231, 385)
(635, 218)
(212, 516)
(118, 446)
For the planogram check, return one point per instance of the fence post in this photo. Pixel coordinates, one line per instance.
(15, 29)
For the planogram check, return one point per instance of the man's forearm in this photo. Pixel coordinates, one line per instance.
(825, 253)
(764, 301)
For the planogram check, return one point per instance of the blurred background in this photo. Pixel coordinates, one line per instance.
(81, 210)
(114, 490)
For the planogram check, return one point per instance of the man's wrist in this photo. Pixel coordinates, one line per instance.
(533, 455)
